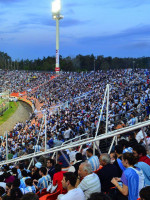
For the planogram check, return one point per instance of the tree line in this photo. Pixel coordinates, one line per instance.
(78, 63)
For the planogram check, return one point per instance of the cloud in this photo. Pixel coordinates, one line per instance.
(135, 33)
(42, 21)
(122, 4)
(138, 45)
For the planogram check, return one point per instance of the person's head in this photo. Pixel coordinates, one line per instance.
(14, 170)
(89, 152)
(104, 159)
(58, 168)
(128, 159)
(85, 169)
(99, 196)
(30, 196)
(21, 166)
(118, 149)
(139, 151)
(16, 183)
(113, 157)
(78, 156)
(6, 168)
(124, 143)
(50, 163)
(8, 187)
(145, 193)
(24, 173)
(38, 165)
(29, 182)
(69, 180)
(42, 171)
(6, 197)
(6, 175)
(15, 194)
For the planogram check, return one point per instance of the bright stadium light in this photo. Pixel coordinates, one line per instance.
(56, 8)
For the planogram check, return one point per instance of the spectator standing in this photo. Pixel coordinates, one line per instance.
(51, 168)
(139, 151)
(106, 173)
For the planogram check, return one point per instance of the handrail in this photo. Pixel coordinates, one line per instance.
(79, 136)
(75, 144)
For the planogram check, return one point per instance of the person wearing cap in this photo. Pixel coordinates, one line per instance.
(35, 171)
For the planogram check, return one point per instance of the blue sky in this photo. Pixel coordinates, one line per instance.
(103, 27)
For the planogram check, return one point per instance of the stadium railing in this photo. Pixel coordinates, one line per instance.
(80, 142)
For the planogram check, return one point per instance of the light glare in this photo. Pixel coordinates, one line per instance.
(56, 6)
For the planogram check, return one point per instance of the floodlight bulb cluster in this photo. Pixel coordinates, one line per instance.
(56, 6)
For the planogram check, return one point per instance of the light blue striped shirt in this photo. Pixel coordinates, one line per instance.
(44, 182)
(28, 189)
(94, 161)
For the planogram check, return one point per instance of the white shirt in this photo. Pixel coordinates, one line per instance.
(140, 136)
(75, 194)
(90, 184)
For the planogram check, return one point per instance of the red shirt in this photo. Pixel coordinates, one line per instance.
(57, 178)
(145, 159)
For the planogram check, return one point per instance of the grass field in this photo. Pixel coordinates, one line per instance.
(12, 108)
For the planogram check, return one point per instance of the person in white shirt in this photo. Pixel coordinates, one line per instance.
(90, 182)
(68, 183)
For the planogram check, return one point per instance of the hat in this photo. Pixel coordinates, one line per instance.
(128, 150)
(38, 165)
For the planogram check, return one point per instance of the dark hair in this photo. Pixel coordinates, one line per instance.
(140, 149)
(6, 175)
(58, 168)
(145, 193)
(6, 167)
(90, 150)
(16, 183)
(15, 194)
(14, 170)
(119, 149)
(24, 173)
(132, 160)
(43, 170)
(78, 156)
(30, 196)
(99, 196)
(6, 197)
(71, 177)
(9, 185)
(124, 143)
(51, 161)
(2, 191)
(29, 182)
(21, 166)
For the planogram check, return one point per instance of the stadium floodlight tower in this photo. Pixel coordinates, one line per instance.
(56, 8)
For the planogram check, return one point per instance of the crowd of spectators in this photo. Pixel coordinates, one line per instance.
(72, 103)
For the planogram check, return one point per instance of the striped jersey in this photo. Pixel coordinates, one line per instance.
(28, 189)
(94, 161)
(44, 182)
(90, 184)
